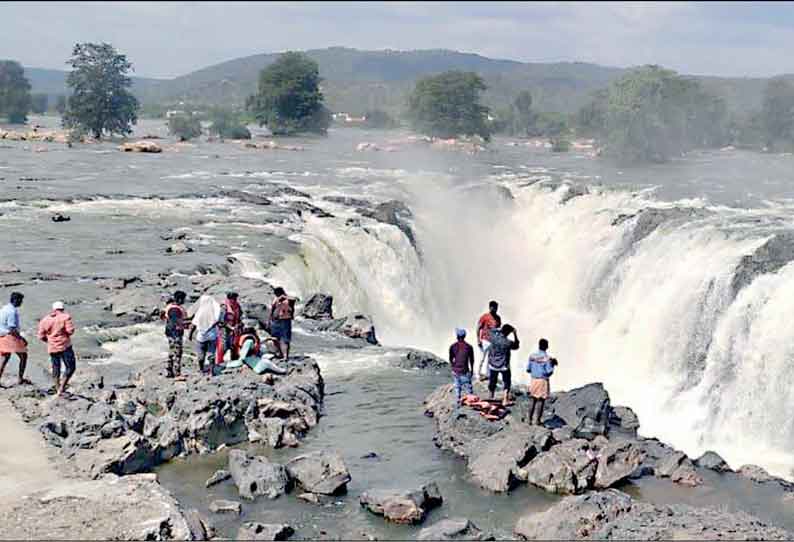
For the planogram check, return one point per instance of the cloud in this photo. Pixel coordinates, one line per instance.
(171, 38)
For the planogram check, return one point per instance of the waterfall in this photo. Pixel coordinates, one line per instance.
(632, 292)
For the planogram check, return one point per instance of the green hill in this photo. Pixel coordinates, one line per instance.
(355, 80)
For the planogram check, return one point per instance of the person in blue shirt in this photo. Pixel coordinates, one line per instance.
(541, 367)
(11, 340)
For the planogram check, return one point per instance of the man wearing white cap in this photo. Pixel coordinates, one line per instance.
(56, 329)
(461, 358)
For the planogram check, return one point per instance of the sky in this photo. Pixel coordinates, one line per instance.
(166, 39)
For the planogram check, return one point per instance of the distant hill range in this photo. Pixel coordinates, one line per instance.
(355, 81)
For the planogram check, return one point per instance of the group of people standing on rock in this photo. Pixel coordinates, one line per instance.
(56, 329)
(495, 344)
(219, 330)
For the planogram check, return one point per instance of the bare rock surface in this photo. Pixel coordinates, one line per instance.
(402, 506)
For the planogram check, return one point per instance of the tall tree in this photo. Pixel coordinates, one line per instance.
(101, 100)
(289, 99)
(60, 104)
(524, 116)
(38, 103)
(15, 98)
(777, 113)
(448, 105)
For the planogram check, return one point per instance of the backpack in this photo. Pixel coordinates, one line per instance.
(283, 309)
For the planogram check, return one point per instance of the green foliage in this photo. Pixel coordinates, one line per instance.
(777, 113)
(548, 124)
(523, 117)
(448, 105)
(38, 103)
(379, 119)
(591, 119)
(227, 124)
(560, 144)
(101, 100)
(15, 97)
(60, 104)
(184, 126)
(653, 114)
(289, 100)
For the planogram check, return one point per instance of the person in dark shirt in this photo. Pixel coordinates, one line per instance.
(461, 359)
(176, 320)
(499, 359)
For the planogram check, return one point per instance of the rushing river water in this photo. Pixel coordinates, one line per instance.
(653, 312)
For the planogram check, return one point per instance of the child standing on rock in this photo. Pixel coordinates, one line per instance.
(541, 367)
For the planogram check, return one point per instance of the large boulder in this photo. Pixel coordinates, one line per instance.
(419, 359)
(623, 421)
(319, 307)
(712, 461)
(567, 468)
(392, 212)
(768, 258)
(452, 529)
(613, 515)
(401, 506)
(586, 410)
(264, 531)
(494, 462)
(141, 146)
(256, 476)
(617, 461)
(320, 472)
(355, 326)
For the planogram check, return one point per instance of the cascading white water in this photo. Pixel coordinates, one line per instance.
(654, 319)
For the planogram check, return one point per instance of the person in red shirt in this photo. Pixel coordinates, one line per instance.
(56, 329)
(488, 321)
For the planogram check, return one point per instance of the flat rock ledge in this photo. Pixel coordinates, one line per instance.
(613, 515)
(584, 443)
(129, 428)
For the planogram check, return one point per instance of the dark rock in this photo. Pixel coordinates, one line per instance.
(355, 326)
(624, 421)
(319, 307)
(395, 213)
(402, 506)
(264, 531)
(494, 463)
(586, 410)
(226, 507)
(613, 515)
(755, 473)
(452, 529)
(255, 476)
(320, 472)
(617, 461)
(348, 201)
(217, 478)
(179, 248)
(769, 258)
(58, 217)
(712, 461)
(419, 359)
(246, 197)
(649, 219)
(567, 468)
(301, 207)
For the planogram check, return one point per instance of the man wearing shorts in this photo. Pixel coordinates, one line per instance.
(56, 329)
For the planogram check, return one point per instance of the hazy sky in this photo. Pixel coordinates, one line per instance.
(173, 38)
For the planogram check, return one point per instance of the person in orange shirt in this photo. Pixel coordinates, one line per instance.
(56, 329)
(488, 321)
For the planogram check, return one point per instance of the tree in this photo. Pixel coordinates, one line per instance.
(14, 92)
(379, 119)
(227, 125)
(38, 103)
(653, 114)
(448, 105)
(184, 126)
(60, 104)
(523, 117)
(591, 118)
(777, 112)
(288, 100)
(101, 100)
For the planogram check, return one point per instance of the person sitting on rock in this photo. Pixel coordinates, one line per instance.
(461, 359)
(11, 340)
(176, 321)
(251, 354)
(56, 329)
(282, 311)
(541, 367)
(205, 323)
(499, 359)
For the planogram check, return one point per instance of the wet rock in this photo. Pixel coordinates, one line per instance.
(452, 529)
(320, 472)
(226, 507)
(770, 257)
(355, 326)
(9, 268)
(650, 219)
(141, 146)
(567, 468)
(179, 248)
(256, 476)
(712, 461)
(113, 508)
(623, 420)
(494, 463)
(585, 410)
(217, 478)
(574, 191)
(140, 303)
(401, 506)
(395, 213)
(617, 461)
(301, 207)
(348, 201)
(58, 217)
(419, 359)
(318, 307)
(264, 531)
(613, 515)
(246, 197)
